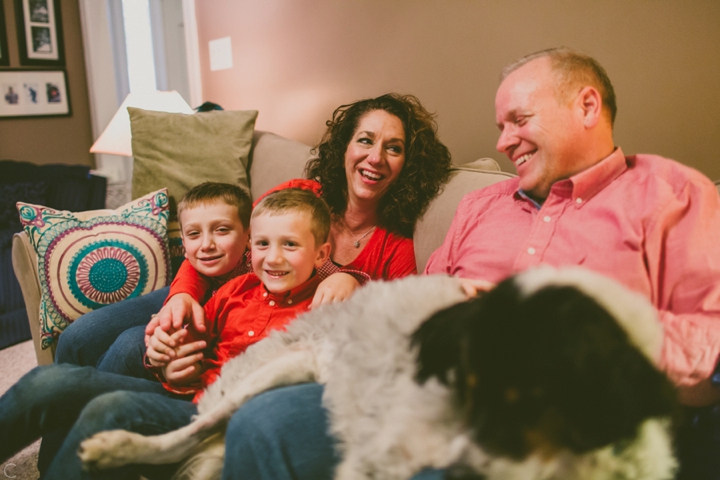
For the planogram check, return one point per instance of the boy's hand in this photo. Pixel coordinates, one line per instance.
(177, 311)
(161, 346)
(335, 288)
(187, 367)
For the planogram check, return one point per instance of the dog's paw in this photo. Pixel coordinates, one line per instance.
(110, 449)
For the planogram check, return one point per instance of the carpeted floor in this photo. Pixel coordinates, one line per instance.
(15, 361)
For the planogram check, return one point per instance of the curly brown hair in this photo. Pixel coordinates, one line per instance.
(426, 169)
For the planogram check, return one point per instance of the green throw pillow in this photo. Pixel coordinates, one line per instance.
(178, 151)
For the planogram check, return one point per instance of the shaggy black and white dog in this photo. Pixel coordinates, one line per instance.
(550, 375)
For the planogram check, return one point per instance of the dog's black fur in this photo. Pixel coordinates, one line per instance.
(554, 366)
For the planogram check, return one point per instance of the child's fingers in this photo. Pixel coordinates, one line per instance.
(156, 358)
(189, 348)
(198, 314)
(152, 325)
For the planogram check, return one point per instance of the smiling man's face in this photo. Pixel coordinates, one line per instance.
(538, 132)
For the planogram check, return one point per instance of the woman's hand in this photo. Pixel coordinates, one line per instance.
(177, 311)
(335, 288)
(187, 367)
(472, 286)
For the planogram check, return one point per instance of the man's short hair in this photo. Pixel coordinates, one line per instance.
(211, 192)
(575, 70)
(299, 201)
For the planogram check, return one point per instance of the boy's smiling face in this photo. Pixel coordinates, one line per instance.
(284, 253)
(214, 237)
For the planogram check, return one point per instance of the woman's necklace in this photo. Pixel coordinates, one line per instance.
(358, 239)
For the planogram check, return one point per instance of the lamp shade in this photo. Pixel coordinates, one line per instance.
(116, 138)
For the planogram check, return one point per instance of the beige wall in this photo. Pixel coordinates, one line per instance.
(51, 139)
(295, 60)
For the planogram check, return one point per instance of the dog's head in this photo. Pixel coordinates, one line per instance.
(549, 360)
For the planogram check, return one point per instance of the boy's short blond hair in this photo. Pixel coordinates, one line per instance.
(210, 192)
(300, 201)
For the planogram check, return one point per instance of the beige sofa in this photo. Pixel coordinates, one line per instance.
(273, 160)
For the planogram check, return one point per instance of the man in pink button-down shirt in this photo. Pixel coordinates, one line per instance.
(649, 222)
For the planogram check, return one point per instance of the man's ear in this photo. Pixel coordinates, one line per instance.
(590, 103)
(323, 254)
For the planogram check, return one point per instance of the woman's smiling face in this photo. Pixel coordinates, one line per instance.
(375, 156)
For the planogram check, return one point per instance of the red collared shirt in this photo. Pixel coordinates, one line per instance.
(241, 313)
(646, 221)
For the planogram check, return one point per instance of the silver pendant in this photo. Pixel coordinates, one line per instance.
(357, 244)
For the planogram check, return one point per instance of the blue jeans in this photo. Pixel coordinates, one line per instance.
(283, 434)
(105, 338)
(141, 412)
(58, 397)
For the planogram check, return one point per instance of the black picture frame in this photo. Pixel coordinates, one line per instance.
(34, 93)
(39, 31)
(4, 55)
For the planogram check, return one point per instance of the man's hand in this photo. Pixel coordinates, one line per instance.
(187, 367)
(472, 287)
(177, 311)
(335, 288)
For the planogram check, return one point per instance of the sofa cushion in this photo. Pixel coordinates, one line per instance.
(275, 160)
(178, 151)
(432, 228)
(87, 260)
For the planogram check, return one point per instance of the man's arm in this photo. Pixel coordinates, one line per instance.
(683, 251)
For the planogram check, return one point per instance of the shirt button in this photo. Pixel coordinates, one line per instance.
(578, 201)
(531, 251)
(289, 301)
(251, 333)
(272, 303)
(265, 294)
(546, 219)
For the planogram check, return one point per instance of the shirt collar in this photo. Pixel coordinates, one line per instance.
(589, 182)
(298, 294)
(586, 184)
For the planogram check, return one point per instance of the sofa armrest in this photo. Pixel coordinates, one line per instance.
(431, 229)
(24, 260)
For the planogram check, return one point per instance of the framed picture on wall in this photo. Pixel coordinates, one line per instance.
(32, 93)
(4, 59)
(39, 28)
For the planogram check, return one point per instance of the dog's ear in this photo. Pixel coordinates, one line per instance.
(441, 342)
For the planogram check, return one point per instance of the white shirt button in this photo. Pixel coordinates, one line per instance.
(578, 200)
(546, 219)
(289, 301)
(272, 303)
(531, 251)
(265, 294)
(251, 333)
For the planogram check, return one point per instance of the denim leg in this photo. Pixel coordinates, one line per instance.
(125, 355)
(145, 413)
(85, 340)
(281, 434)
(50, 398)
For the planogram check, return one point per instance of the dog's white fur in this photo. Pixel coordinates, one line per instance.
(389, 426)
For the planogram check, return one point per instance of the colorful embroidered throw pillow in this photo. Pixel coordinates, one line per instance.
(87, 260)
